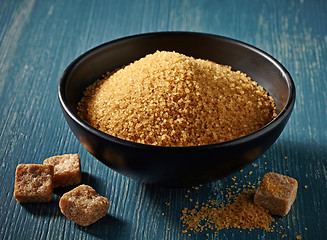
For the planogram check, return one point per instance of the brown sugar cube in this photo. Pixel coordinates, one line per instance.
(33, 183)
(67, 169)
(276, 193)
(83, 205)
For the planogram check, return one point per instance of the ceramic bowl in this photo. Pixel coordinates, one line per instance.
(176, 166)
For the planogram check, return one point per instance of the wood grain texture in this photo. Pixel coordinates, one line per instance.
(38, 39)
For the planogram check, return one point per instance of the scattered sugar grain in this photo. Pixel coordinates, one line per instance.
(241, 213)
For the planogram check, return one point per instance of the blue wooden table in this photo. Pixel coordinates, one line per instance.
(38, 39)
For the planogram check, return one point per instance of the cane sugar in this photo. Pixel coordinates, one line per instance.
(169, 99)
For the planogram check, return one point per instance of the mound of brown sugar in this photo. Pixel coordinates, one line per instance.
(169, 99)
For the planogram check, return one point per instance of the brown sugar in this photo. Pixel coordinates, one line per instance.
(241, 213)
(67, 169)
(83, 205)
(169, 99)
(276, 193)
(33, 183)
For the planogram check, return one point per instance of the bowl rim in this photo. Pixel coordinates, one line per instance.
(268, 127)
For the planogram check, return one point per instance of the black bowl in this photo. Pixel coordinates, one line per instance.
(176, 166)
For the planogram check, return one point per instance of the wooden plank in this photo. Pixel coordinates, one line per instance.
(38, 39)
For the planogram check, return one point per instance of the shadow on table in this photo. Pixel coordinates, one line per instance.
(108, 227)
(50, 209)
(86, 179)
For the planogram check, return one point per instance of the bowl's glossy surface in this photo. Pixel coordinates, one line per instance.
(176, 166)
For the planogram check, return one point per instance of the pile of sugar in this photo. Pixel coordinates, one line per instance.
(241, 213)
(169, 99)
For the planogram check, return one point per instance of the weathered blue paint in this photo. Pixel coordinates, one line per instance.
(38, 39)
